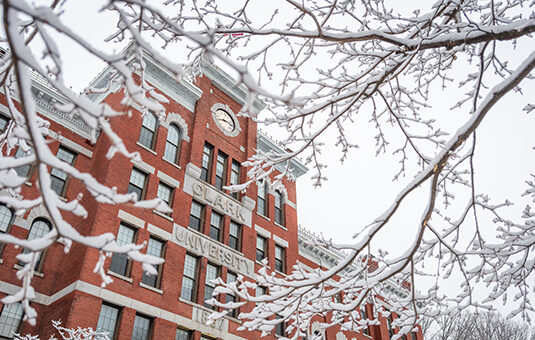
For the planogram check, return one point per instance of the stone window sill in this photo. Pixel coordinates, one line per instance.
(196, 305)
(119, 276)
(173, 164)
(263, 216)
(39, 274)
(144, 147)
(167, 217)
(280, 226)
(156, 290)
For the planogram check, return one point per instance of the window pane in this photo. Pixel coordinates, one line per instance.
(164, 192)
(170, 152)
(279, 258)
(260, 248)
(195, 216)
(212, 273)
(107, 320)
(137, 182)
(220, 171)
(235, 176)
(5, 218)
(10, 320)
(234, 235)
(206, 162)
(190, 266)
(182, 334)
(24, 170)
(39, 229)
(137, 178)
(141, 328)
(172, 145)
(145, 137)
(173, 135)
(215, 226)
(149, 121)
(189, 277)
(66, 155)
(148, 128)
(3, 123)
(119, 262)
(154, 248)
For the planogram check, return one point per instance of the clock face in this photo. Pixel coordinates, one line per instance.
(225, 120)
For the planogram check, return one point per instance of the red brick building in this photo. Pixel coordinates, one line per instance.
(187, 159)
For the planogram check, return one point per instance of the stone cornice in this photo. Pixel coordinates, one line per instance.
(266, 144)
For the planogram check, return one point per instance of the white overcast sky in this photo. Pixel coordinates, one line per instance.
(362, 188)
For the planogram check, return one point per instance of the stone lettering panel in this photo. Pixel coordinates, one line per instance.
(201, 316)
(203, 246)
(222, 203)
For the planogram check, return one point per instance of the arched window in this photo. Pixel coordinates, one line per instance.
(172, 146)
(147, 136)
(40, 227)
(279, 207)
(6, 218)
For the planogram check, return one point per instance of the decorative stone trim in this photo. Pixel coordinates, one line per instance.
(262, 231)
(119, 276)
(178, 120)
(237, 129)
(280, 241)
(131, 219)
(156, 290)
(38, 211)
(144, 166)
(122, 301)
(168, 179)
(70, 144)
(164, 235)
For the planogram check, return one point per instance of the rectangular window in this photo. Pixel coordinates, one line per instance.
(389, 321)
(3, 123)
(216, 221)
(206, 166)
(221, 171)
(261, 248)
(414, 336)
(261, 200)
(235, 177)
(138, 183)
(280, 258)
(108, 320)
(279, 207)
(280, 328)
(58, 178)
(182, 334)
(165, 192)
(24, 170)
(142, 327)
(364, 316)
(189, 279)
(10, 320)
(260, 290)
(196, 216)
(120, 263)
(231, 277)
(212, 273)
(234, 236)
(156, 248)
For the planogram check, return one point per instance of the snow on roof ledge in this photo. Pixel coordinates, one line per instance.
(266, 144)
